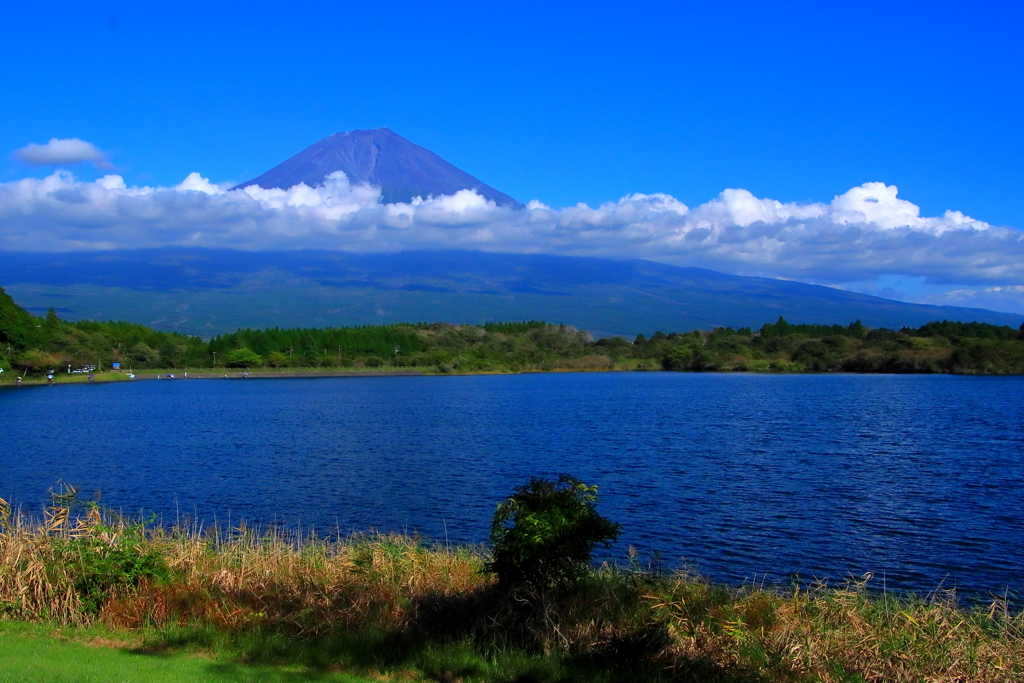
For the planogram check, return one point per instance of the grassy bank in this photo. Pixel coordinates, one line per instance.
(98, 377)
(391, 607)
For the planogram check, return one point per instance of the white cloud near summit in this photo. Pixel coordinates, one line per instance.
(862, 234)
(61, 153)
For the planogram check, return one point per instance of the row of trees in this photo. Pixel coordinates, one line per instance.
(462, 348)
(36, 345)
(950, 347)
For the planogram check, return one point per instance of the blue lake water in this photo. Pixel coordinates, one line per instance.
(745, 477)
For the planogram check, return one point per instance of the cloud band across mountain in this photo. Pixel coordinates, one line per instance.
(861, 234)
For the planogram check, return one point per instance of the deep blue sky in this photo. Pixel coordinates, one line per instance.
(577, 102)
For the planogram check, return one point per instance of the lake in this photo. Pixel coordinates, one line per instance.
(916, 478)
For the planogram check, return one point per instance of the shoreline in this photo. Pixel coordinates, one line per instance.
(154, 375)
(206, 374)
(258, 374)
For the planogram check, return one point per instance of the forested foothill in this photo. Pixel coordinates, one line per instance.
(34, 345)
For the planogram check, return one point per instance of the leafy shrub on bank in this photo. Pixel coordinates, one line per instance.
(545, 533)
(101, 555)
(100, 568)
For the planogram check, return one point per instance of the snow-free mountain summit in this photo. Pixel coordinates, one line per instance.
(382, 158)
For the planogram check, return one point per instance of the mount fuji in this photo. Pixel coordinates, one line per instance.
(382, 158)
(208, 291)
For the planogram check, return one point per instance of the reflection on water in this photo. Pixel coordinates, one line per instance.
(917, 477)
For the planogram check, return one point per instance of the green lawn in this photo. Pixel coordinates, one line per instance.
(38, 654)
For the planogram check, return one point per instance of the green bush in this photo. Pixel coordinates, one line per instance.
(543, 535)
(105, 568)
(110, 558)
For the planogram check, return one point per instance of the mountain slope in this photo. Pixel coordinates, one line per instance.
(382, 158)
(206, 292)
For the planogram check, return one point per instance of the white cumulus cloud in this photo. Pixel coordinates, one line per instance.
(61, 153)
(862, 234)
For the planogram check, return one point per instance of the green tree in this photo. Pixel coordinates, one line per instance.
(52, 323)
(171, 352)
(243, 358)
(816, 356)
(277, 360)
(545, 533)
(690, 359)
(141, 353)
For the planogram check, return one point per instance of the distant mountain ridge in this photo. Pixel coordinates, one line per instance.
(382, 158)
(212, 291)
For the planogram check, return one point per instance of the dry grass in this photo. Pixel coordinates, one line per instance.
(307, 587)
(678, 628)
(234, 581)
(841, 634)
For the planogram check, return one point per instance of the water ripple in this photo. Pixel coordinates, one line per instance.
(919, 478)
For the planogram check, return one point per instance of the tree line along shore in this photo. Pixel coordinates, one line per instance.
(33, 346)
